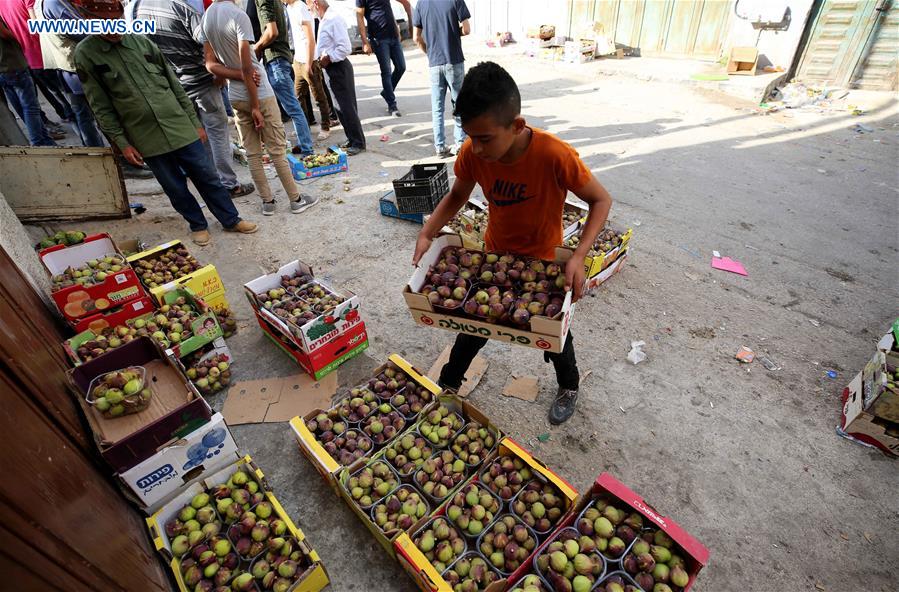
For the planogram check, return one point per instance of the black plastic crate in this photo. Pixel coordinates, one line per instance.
(421, 189)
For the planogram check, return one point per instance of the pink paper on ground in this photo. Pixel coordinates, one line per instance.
(728, 264)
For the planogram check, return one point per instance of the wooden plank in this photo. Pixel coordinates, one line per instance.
(62, 183)
(59, 497)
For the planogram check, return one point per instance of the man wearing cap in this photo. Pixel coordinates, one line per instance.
(140, 104)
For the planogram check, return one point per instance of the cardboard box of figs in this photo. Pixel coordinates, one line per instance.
(176, 408)
(425, 575)
(118, 285)
(312, 333)
(544, 332)
(325, 358)
(313, 579)
(206, 449)
(310, 447)
(597, 280)
(676, 540)
(204, 281)
(470, 413)
(89, 327)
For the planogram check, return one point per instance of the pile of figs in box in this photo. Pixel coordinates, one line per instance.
(505, 289)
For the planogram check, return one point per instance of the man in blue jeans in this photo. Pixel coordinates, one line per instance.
(15, 79)
(273, 47)
(140, 104)
(439, 27)
(382, 35)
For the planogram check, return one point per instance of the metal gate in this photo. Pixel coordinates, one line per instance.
(853, 45)
(664, 28)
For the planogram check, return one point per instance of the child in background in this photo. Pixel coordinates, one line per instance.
(525, 174)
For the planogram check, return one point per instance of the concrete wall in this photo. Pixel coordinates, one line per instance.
(16, 242)
(775, 47)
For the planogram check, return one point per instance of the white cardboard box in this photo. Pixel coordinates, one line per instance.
(206, 449)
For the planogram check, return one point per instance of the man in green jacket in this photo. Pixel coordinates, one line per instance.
(140, 105)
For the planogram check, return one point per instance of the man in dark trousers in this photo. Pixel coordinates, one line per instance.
(383, 37)
(332, 49)
(140, 104)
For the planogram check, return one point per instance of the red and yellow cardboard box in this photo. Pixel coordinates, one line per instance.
(205, 283)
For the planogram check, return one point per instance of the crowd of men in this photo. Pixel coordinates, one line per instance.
(165, 101)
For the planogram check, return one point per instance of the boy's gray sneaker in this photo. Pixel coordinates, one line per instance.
(268, 208)
(304, 203)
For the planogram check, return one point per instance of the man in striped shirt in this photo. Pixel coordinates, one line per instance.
(179, 37)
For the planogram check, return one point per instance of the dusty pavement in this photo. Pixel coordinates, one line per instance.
(745, 459)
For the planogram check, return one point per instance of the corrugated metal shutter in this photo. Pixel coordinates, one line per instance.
(853, 44)
(879, 70)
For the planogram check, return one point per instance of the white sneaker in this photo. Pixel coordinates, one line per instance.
(324, 134)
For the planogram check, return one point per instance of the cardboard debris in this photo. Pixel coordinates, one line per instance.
(472, 377)
(521, 387)
(277, 399)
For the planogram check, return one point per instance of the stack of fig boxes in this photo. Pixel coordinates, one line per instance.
(320, 344)
(118, 297)
(157, 451)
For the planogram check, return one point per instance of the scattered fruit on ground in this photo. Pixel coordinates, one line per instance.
(472, 509)
(196, 522)
(72, 237)
(281, 566)
(506, 475)
(440, 474)
(529, 583)
(210, 375)
(408, 453)
(382, 425)
(440, 425)
(473, 443)
(611, 527)
(166, 266)
(470, 573)
(371, 483)
(568, 565)
(389, 382)
(507, 544)
(400, 510)
(656, 560)
(539, 505)
(93, 272)
(440, 542)
(119, 393)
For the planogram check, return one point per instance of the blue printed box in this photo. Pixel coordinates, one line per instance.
(388, 208)
(300, 171)
(206, 449)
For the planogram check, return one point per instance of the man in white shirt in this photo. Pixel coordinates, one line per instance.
(227, 36)
(306, 69)
(332, 50)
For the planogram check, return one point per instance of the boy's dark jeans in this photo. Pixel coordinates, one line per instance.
(467, 347)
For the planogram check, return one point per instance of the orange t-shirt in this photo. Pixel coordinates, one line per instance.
(526, 198)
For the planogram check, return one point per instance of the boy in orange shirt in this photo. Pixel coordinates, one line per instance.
(525, 174)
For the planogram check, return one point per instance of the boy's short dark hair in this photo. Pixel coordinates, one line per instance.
(488, 88)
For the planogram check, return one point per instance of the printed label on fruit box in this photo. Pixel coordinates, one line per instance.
(122, 295)
(650, 513)
(121, 278)
(161, 474)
